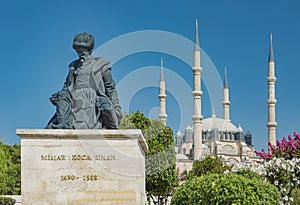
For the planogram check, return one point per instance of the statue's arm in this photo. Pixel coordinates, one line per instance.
(110, 88)
(69, 83)
(111, 91)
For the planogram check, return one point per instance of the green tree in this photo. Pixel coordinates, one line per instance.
(209, 165)
(10, 169)
(161, 175)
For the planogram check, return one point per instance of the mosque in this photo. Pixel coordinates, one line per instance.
(217, 136)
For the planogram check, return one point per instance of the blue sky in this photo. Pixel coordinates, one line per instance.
(36, 50)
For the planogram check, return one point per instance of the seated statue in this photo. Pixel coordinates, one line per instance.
(88, 99)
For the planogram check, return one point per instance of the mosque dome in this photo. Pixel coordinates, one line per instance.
(213, 123)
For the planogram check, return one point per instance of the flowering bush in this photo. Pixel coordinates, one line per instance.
(283, 173)
(287, 149)
(282, 166)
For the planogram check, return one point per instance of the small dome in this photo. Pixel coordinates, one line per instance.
(239, 129)
(179, 134)
(217, 123)
(189, 128)
(181, 156)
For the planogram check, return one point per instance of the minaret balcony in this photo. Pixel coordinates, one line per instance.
(197, 93)
(271, 101)
(197, 118)
(197, 69)
(162, 116)
(271, 79)
(272, 124)
(160, 96)
(226, 103)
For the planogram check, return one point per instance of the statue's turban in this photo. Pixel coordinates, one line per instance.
(84, 40)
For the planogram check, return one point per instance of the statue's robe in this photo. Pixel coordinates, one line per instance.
(89, 99)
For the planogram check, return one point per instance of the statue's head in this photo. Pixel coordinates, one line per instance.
(83, 41)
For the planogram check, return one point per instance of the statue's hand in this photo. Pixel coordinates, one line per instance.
(53, 99)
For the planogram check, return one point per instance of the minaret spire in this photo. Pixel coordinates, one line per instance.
(197, 94)
(226, 102)
(271, 53)
(272, 124)
(225, 78)
(162, 95)
(197, 45)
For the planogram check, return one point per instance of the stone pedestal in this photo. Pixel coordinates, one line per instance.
(62, 167)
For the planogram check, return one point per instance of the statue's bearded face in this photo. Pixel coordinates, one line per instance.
(82, 51)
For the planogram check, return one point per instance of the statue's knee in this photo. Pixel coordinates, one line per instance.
(63, 101)
(109, 119)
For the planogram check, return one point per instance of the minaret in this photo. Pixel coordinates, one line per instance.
(271, 125)
(226, 102)
(197, 94)
(162, 95)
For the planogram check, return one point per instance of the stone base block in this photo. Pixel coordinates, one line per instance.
(62, 167)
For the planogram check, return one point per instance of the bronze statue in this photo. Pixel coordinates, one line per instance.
(88, 99)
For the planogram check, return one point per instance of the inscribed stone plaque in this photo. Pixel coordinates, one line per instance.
(82, 167)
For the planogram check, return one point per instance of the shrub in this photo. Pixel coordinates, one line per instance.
(209, 165)
(282, 173)
(296, 196)
(7, 201)
(225, 189)
(249, 174)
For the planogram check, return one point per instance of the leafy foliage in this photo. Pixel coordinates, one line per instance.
(10, 169)
(296, 196)
(7, 201)
(225, 189)
(135, 120)
(249, 174)
(210, 165)
(161, 175)
(282, 173)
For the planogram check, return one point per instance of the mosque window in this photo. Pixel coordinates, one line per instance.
(226, 135)
(184, 151)
(222, 134)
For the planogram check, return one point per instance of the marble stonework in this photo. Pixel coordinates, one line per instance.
(82, 167)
